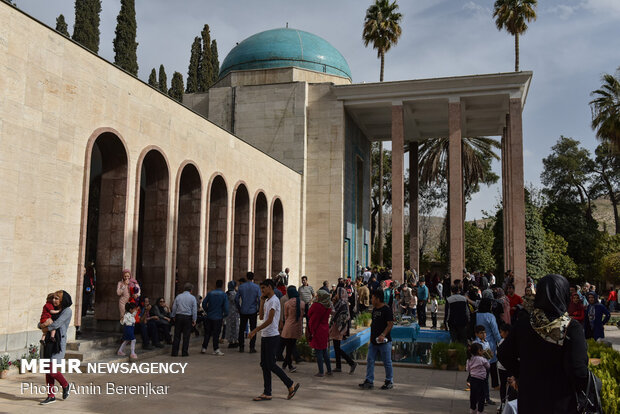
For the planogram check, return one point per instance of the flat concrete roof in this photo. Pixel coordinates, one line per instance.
(484, 101)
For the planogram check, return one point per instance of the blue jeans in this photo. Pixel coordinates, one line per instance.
(323, 356)
(385, 350)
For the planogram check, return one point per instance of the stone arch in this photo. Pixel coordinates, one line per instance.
(261, 236)
(189, 198)
(150, 247)
(277, 236)
(241, 231)
(104, 207)
(218, 231)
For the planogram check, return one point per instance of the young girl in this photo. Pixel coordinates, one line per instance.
(434, 307)
(128, 322)
(48, 315)
(477, 366)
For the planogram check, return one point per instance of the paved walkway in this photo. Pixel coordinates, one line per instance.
(227, 384)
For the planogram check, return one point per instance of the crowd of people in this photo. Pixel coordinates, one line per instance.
(501, 329)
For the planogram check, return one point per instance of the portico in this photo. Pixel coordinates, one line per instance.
(408, 112)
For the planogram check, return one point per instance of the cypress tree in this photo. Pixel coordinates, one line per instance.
(153, 79)
(86, 28)
(215, 62)
(163, 80)
(176, 87)
(194, 66)
(61, 26)
(125, 45)
(206, 69)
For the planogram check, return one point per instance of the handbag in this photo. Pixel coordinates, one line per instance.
(588, 400)
(51, 347)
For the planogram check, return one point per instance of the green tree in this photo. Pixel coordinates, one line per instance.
(61, 25)
(605, 246)
(86, 28)
(557, 260)
(194, 66)
(125, 45)
(479, 248)
(163, 80)
(215, 62)
(513, 15)
(153, 79)
(205, 71)
(569, 220)
(606, 169)
(534, 240)
(176, 87)
(566, 173)
(382, 30)
(611, 268)
(606, 110)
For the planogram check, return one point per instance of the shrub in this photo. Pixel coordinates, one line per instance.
(305, 351)
(439, 354)
(461, 352)
(608, 370)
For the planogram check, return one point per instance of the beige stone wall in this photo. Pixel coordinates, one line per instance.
(55, 95)
(324, 178)
(270, 117)
(278, 75)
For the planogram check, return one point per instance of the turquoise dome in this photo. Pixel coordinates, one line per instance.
(280, 48)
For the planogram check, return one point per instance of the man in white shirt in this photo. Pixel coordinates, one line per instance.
(366, 275)
(270, 341)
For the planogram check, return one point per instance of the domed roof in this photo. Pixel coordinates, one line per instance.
(280, 48)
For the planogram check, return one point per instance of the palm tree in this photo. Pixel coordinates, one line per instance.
(606, 110)
(513, 16)
(382, 29)
(477, 154)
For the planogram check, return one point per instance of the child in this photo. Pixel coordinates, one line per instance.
(504, 330)
(481, 338)
(48, 315)
(434, 306)
(128, 322)
(478, 367)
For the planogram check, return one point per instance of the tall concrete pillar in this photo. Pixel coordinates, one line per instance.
(505, 201)
(414, 235)
(398, 193)
(455, 190)
(516, 195)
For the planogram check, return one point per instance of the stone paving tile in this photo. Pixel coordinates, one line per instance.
(227, 384)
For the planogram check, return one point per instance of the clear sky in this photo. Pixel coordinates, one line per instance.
(568, 48)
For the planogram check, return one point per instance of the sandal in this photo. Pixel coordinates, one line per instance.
(291, 394)
(263, 397)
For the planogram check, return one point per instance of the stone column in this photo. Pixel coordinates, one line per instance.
(455, 190)
(398, 192)
(516, 194)
(505, 198)
(414, 235)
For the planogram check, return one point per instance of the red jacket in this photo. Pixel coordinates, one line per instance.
(514, 301)
(318, 325)
(576, 311)
(612, 296)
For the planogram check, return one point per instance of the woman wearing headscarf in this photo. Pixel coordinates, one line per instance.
(62, 301)
(594, 319)
(576, 309)
(123, 291)
(547, 352)
(338, 328)
(485, 318)
(504, 302)
(293, 325)
(232, 320)
(318, 330)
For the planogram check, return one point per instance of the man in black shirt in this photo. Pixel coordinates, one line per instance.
(380, 342)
